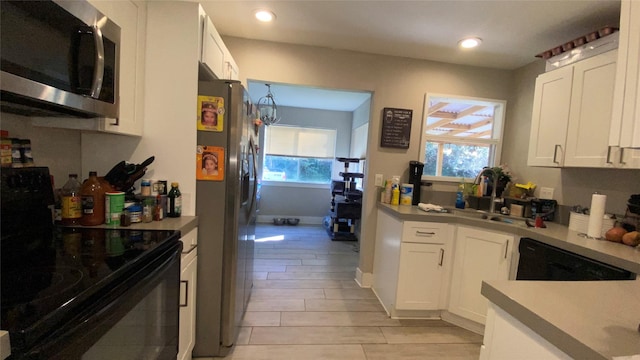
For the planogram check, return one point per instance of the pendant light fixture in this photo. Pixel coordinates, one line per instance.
(267, 108)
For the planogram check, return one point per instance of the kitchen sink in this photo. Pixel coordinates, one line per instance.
(485, 215)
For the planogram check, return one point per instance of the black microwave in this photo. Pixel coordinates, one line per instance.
(58, 58)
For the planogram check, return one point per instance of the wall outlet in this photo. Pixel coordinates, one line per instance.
(378, 181)
(546, 193)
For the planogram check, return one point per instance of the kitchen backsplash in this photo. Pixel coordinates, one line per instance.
(58, 149)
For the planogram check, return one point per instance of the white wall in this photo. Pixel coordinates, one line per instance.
(394, 82)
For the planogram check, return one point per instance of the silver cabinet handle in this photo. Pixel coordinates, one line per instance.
(186, 293)
(555, 154)
(506, 249)
(608, 161)
(441, 257)
(425, 233)
(622, 156)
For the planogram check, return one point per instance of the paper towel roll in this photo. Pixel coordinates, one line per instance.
(596, 215)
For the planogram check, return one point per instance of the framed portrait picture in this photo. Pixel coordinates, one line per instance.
(210, 113)
(209, 163)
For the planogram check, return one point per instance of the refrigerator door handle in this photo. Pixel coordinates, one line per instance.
(255, 173)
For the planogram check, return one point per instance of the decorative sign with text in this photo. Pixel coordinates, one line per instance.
(396, 128)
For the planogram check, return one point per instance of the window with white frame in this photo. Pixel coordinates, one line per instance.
(460, 136)
(298, 154)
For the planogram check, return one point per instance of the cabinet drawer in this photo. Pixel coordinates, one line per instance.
(189, 241)
(424, 232)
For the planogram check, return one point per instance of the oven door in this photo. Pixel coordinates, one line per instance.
(136, 319)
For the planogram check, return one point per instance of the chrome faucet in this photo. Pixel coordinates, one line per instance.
(492, 205)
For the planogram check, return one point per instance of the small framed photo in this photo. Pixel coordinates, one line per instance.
(210, 113)
(209, 163)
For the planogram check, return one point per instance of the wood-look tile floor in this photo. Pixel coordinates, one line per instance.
(306, 305)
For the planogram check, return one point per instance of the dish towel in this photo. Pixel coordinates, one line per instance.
(429, 207)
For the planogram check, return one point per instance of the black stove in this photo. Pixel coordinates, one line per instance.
(50, 274)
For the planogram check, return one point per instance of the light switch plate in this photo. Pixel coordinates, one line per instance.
(546, 193)
(378, 181)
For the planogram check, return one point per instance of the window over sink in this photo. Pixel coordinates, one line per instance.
(461, 135)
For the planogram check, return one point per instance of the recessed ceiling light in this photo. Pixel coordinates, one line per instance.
(265, 15)
(469, 43)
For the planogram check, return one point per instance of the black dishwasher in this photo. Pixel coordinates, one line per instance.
(539, 261)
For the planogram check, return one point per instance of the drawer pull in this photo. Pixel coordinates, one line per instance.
(441, 257)
(506, 249)
(186, 293)
(425, 233)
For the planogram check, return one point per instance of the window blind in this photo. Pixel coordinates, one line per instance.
(300, 142)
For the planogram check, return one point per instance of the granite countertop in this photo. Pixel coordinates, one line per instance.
(585, 319)
(616, 254)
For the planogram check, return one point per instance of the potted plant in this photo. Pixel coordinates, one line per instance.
(504, 177)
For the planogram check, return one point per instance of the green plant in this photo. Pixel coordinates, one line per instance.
(503, 172)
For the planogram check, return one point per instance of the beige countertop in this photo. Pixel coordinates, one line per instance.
(616, 254)
(585, 319)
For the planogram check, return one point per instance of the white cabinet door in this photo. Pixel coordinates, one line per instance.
(188, 283)
(231, 71)
(590, 112)
(479, 255)
(213, 49)
(386, 259)
(550, 117)
(625, 124)
(421, 276)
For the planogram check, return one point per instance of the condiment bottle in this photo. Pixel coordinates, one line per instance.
(92, 195)
(145, 187)
(157, 210)
(174, 208)
(147, 210)
(71, 201)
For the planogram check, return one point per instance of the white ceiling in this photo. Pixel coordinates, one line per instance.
(513, 31)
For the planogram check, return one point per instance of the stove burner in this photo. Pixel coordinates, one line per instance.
(37, 284)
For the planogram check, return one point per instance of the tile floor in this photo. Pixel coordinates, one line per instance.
(306, 305)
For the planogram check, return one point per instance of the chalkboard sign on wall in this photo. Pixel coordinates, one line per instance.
(396, 128)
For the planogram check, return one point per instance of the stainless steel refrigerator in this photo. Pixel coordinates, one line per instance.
(226, 209)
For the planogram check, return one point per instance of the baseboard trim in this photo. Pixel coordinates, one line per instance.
(304, 220)
(462, 322)
(364, 280)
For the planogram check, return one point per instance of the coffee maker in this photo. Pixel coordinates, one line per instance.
(415, 178)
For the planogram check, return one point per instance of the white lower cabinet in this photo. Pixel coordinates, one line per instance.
(421, 277)
(188, 275)
(411, 265)
(506, 338)
(479, 255)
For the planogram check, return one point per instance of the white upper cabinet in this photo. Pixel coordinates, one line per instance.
(215, 56)
(571, 118)
(590, 111)
(550, 117)
(625, 124)
(213, 49)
